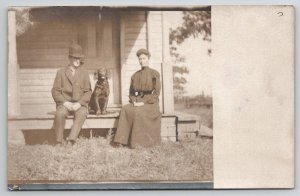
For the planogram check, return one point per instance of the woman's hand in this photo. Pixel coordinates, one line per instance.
(137, 104)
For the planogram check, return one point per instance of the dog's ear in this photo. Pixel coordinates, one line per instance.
(96, 75)
(108, 73)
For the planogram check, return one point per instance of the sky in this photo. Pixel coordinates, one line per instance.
(198, 61)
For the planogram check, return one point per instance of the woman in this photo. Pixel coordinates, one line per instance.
(139, 122)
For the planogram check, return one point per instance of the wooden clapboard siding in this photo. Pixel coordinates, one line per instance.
(43, 51)
(42, 38)
(155, 36)
(133, 37)
(45, 45)
(135, 30)
(41, 45)
(35, 90)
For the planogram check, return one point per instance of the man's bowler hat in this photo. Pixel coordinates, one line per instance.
(75, 50)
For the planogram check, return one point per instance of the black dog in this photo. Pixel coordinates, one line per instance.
(99, 99)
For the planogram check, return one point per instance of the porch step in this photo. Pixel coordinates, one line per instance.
(19, 125)
(189, 126)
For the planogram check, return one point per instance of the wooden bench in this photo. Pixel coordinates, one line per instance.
(46, 122)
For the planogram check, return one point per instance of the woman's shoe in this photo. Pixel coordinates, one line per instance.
(70, 142)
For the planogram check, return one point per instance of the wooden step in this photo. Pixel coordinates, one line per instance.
(17, 126)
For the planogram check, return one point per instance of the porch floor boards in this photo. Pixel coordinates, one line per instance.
(107, 121)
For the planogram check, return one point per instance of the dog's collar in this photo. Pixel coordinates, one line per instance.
(100, 84)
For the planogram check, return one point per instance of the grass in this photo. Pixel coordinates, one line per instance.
(95, 160)
(205, 114)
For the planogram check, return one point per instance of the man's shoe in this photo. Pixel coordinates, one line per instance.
(116, 144)
(56, 143)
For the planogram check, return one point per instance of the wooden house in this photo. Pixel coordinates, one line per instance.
(110, 37)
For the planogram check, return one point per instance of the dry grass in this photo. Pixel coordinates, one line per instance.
(95, 160)
(205, 114)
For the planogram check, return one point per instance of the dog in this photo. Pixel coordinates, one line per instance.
(99, 99)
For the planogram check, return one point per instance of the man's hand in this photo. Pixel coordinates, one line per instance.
(76, 106)
(68, 105)
(137, 104)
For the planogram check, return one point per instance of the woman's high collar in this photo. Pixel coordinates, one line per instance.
(144, 68)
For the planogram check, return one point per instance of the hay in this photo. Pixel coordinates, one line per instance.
(95, 160)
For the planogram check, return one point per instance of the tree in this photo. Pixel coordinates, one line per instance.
(23, 20)
(179, 70)
(195, 23)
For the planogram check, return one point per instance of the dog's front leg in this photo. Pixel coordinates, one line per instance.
(105, 106)
(97, 106)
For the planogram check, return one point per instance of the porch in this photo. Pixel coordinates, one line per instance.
(109, 37)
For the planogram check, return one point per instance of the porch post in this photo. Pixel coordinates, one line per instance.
(15, 136)
(149, 36)
(167, 70)
(14, 106)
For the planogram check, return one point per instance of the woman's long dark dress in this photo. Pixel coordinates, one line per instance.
(140, 125)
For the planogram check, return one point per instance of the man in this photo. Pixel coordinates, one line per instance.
(71, 92)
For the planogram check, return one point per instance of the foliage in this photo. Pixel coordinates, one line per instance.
(195, 23)
(23, 20)
(179, 68)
